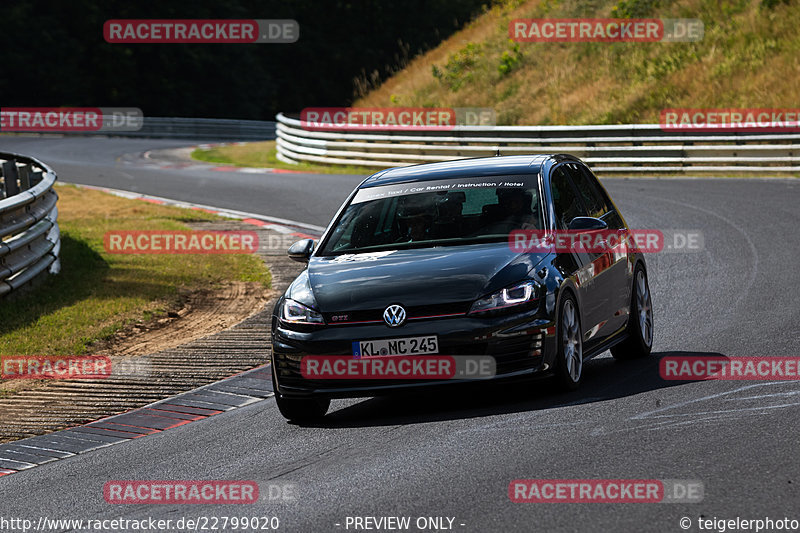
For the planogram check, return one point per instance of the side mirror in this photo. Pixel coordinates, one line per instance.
(301, 250)
(587, 224)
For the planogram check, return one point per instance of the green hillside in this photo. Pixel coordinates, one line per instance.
(749, 57)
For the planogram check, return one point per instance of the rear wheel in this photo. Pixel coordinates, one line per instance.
(640, 324)
(569, 358)
(300, 409)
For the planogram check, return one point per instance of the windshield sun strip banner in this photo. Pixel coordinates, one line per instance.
(445, 185)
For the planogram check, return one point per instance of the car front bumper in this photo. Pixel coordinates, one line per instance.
(522, 346)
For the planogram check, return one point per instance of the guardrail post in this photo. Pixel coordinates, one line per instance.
(10, 178)
(36, 177)
(25, 177)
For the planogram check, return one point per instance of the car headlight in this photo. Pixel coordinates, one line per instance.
(513, 296)
(297, 313)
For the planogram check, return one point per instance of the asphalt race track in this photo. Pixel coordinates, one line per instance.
(102, 161)
(454, 456)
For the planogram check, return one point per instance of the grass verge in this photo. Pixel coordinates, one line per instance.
(747, 58)
(264, 155)
(97, 293)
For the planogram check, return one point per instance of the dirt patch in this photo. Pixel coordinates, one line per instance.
(202, 337)
(200, 313)
(195, 314)
(168, 355)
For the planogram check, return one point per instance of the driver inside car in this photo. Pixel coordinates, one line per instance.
(415, 217)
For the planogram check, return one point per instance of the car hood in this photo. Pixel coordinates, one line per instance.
(414, 277)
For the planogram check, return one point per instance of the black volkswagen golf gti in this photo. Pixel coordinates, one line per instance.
(418, 262)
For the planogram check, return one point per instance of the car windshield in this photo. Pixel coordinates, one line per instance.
(441, 213)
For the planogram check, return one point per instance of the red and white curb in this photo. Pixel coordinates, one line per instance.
(231, 393)
(279, 225)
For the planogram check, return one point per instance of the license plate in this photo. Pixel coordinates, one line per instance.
(402, 346)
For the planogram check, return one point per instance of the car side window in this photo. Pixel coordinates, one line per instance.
(589, 191)
(610, 215)
(566, 203)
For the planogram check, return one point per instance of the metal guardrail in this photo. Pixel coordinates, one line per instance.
(29, 236)
(205, 128)
(609, 149)
(211, 129)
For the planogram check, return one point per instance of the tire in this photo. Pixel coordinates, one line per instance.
(300, 409)
(569, 355)
(640, 325)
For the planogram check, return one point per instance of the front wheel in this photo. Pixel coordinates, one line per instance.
(640, 323)
(569, 358)
(300, 409)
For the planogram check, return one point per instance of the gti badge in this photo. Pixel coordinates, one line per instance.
(394, 316)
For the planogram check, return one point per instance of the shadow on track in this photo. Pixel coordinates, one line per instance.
(604, 379)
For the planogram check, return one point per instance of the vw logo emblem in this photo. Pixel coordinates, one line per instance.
(394, 316)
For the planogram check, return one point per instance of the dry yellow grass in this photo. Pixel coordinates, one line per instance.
(750, 57)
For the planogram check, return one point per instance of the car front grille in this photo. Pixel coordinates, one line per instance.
(419, 312)
(512, 354)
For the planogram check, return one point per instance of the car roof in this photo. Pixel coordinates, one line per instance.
(513, 165)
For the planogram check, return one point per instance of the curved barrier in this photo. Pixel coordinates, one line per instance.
(29, 235)
(204, 128)
(627, 148)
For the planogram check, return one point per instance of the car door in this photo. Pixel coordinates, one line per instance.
(612, 265)
(567, 205)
